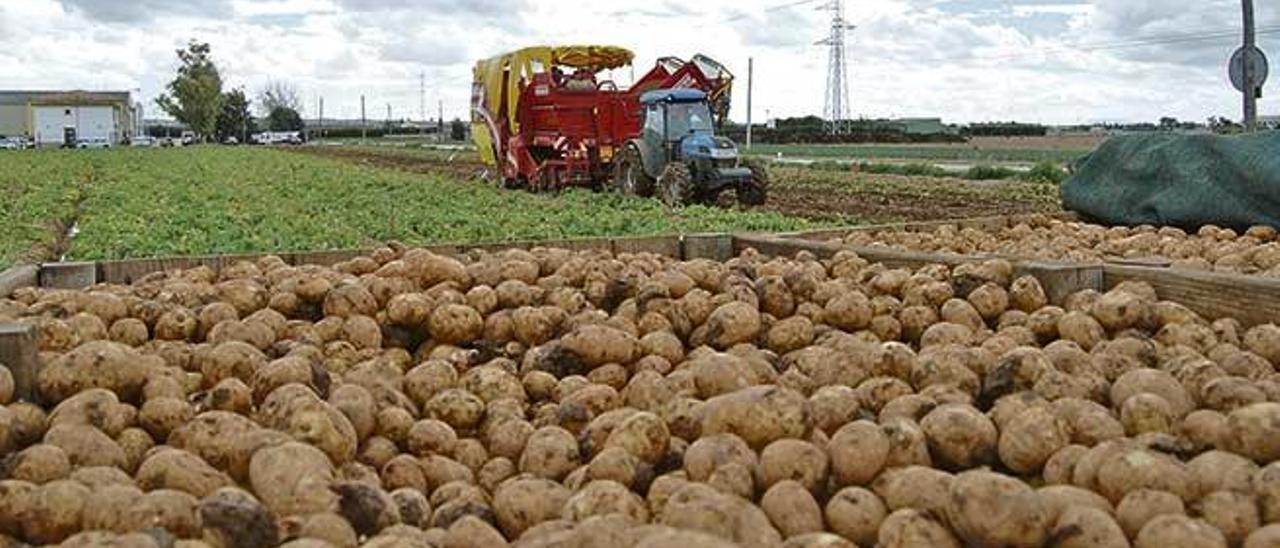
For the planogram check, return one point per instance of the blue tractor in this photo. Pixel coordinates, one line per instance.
(679, 158)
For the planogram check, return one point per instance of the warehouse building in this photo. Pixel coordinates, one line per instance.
(54, 118)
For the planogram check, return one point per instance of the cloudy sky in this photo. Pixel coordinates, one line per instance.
(1055, 61)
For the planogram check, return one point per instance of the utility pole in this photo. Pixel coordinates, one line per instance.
(440, 130)
(836, 107)
(751, 65)
(364, 128)
(320, 120)
(422, 101)
(388, 115)
(1250, 89)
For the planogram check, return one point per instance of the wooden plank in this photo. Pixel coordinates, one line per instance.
(1252, 300)
(23, 275)
(986, 223)
(77, 275)
(20, 352)
(1059, 280)
(668, 246)
(577, 244)
(717, 247)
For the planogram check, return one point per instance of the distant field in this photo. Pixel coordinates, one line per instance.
(202, 200)
(978, 151)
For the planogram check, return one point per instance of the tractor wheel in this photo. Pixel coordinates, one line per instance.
(676, 185)
(757, 191)
(629, 176)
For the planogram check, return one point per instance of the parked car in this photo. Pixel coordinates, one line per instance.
(97, 142)
(10, 144)
(188, 138)
(144, 141)
(278, 138)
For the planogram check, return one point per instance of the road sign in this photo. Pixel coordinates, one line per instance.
(1257, 66)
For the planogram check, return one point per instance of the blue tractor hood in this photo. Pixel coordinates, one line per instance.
(704, 145)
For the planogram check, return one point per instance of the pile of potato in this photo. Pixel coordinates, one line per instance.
(548, 398)
(1256, 252)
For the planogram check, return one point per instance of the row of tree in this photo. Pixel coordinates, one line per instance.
(196, 98)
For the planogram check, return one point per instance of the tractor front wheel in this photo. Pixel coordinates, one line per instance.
(756, 192)
(629, 176)
(675, 185)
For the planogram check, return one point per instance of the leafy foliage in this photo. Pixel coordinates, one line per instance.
(1046, 172)
(202, 200)
(194, 97)
(235, 119)
(284, 119)
(277, 94)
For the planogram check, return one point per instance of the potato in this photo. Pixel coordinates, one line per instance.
(644, 435)
(699, 508)
(292, 478)
(86, 446)
(1081, 329)
(60, 507)
(850, 311)
(1059, 468)
(1142, 505)
(1221, 471)
(795, 460)
(792, 509)
(1232, 513)
(759, 415)
(909, 527)
(1030, 439)
(96, 364)
(37, 464)
(1132, 469)
(913, 487)
(603, 497)
(1265, 537)
(550, 452)
(169, 468)
(233, 518)
(1058, 498)
(520, 504)
(7, 386)
(1252, 432)
(366, 507)
(1027, 295)
(1176, 531)
(960, 437)
(596, 345)
(991, 509)
(1155, 382)
(1087, 527)
(172, 511)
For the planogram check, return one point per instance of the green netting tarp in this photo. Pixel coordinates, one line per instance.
(1179, 180)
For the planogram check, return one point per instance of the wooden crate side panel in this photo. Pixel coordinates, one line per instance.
(983, 223)
(717, 247)
(20, 352)
(14, 278)
(77, 275)
(1058, 280)
(1252, 300)
(667, 246)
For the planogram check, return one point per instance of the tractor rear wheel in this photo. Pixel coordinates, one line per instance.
(756, 192)
(629, 176)
(675, 185)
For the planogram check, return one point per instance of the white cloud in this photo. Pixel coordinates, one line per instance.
(964, 60)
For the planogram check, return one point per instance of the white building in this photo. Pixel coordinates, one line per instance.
(53, 118)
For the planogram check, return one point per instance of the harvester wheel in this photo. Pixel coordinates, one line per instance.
(757, 191)
(676, 185)
(629, 176)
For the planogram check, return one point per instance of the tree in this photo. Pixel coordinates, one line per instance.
(277, 94)
(194, 96)
(284, 119)
(458, 130)
(1168, 123)
(235, 120)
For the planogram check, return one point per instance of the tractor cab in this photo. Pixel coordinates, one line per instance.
(679, 156)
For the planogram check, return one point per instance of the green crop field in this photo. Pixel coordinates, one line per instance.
(137, 203)
(947, 153)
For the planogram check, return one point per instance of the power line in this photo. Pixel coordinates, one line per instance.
(1106, 46)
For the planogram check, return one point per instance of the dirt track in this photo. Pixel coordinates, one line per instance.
(824, 196)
